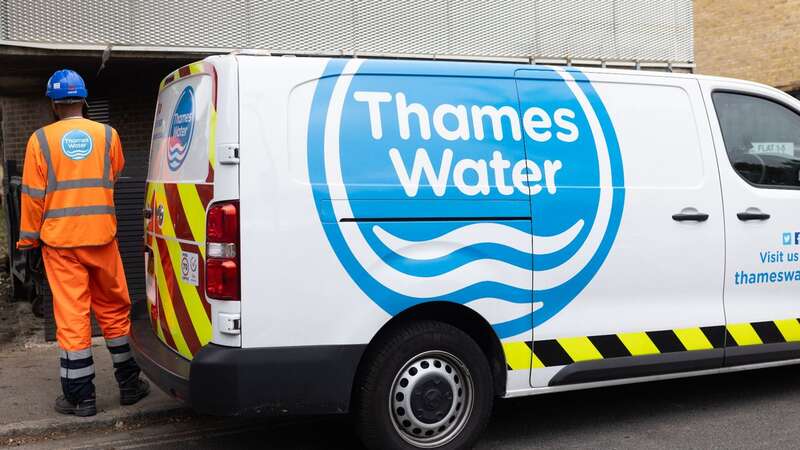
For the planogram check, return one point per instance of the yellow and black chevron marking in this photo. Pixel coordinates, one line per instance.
(563, 351)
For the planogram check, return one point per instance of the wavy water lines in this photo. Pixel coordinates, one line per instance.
(78, 154)
(176, 149)
(476, 234)
(176, 154)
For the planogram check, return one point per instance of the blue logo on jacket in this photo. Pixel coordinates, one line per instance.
(426, 176)
(180, 129)
(76, 144)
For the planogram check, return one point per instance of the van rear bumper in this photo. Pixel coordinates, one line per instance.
(161, 365)
(227, 381)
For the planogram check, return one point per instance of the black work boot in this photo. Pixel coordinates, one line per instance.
(77, 373)
(126, 371)
(83, 408)
(133, 391)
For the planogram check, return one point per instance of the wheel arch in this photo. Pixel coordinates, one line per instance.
(459, 316)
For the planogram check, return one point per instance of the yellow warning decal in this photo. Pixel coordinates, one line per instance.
(562, 351)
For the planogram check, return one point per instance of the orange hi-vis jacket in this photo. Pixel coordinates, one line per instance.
(68, 185)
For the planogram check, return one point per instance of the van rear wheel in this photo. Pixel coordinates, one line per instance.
(428, 385)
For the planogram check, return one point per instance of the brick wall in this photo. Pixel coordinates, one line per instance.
(21, 116)
(749, 39)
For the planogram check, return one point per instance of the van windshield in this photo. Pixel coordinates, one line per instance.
(179, 149)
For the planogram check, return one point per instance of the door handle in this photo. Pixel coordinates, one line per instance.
(148, 213)
(690, 217)
(752, 215)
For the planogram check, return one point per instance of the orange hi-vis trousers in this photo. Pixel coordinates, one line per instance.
(84, 279)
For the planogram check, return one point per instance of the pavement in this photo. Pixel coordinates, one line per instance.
(29, 384)
(746, 410)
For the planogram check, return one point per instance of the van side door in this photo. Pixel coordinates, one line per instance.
(634, 286)
(757, 136)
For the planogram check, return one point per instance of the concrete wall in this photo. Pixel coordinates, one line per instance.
(749, 39)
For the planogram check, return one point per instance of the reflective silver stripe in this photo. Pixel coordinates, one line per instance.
(45, 148)
(107, 154)
(117, 341)
(72, 374)
(78, 354)
(78, 211)
(82, 183)
(28, 234)
(62, 353)
(120, 357)
(33, 192)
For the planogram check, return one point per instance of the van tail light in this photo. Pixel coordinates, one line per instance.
(222, 251)
(222, 279)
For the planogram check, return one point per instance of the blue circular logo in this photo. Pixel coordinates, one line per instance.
(180, 129)
(425, 184)
(76, 144)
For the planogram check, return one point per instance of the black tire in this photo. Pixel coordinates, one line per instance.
(377, 419)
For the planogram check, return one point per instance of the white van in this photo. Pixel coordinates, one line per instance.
(408, 240)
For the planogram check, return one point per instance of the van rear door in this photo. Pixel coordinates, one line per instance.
(180, 186)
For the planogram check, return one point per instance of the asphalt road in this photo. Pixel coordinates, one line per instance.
(755, 409)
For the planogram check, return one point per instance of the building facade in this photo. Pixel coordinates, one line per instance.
(753, 40)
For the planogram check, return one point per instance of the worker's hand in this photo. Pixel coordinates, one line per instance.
(33, 260)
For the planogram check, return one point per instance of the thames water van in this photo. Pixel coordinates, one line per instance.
(408, 241)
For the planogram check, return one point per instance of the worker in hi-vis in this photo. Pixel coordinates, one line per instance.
(68, 209)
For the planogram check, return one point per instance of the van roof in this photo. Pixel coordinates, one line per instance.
(522, 64)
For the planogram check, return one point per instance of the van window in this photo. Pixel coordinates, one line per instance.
(762, 139)
(182, 131)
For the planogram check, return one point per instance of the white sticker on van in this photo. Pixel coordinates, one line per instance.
(189, 268)
(773, 148)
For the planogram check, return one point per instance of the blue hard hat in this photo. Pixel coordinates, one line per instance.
(66, 84)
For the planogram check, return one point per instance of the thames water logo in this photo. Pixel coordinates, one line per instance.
(180, 129)
(425, 185)
(76, 145)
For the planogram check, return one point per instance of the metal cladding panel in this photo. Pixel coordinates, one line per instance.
(684, 29)
(83, 21)
(645, 35)
(588, 31)
(188, 23)
(392, 26)
(479, 28)
(314, 26)
(649, 30)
